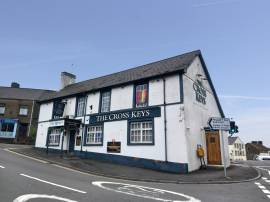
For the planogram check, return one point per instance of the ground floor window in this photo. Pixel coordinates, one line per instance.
(141, 132)
(94, 135)
(54, 136)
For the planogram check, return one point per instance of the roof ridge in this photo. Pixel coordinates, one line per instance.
(28, 88)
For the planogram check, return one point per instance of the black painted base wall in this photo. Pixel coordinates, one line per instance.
(130, 161)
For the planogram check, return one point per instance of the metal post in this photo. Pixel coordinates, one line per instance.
(223, 153)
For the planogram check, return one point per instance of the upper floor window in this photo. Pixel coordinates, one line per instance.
(105, 101)
(2, 109)
(141, 95)
(23, 110)
(58, 109)
(80, 106)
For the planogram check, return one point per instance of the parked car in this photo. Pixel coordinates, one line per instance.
(263, 157)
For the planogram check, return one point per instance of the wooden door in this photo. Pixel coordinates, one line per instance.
(213, 147)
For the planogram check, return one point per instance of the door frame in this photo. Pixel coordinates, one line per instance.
(216, 133)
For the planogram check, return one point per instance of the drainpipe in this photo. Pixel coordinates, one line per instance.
(85, 104)
(165, 118)
(31, 117)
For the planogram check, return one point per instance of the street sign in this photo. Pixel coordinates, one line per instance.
(217, 123)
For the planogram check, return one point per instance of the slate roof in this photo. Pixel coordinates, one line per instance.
(23, 93)
(167, 66)
(155, 69)
(231, 140)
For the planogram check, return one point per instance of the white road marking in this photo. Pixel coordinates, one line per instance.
(28, 197)
(264, 190)
(26, 156)
(2, 166)
(54, 184)
(143, 192)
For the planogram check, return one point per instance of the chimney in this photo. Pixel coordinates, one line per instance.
(15, 85)
(67, 79)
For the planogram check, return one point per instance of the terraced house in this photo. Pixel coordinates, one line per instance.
(153, 116)
(19, 109)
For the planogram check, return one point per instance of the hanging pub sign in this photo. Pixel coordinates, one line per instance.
(200, 92)
(58, 109)
(113, 147)
(150, 112)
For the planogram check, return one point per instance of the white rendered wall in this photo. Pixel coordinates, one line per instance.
(70, 107)
(197, 114)
(121, 97)
(92, 100)
(156, 92)
(45, 112)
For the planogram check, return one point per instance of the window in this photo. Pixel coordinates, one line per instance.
(80, 106)
(2, 109)
(141, 132)
(54, 137)
(141, 95)
(6, 127)
(23, 111)
(58, 109)
(105, 101)
(94, 135)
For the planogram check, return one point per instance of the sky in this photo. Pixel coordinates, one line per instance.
(40, 39)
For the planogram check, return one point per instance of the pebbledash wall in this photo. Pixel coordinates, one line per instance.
(186, 120)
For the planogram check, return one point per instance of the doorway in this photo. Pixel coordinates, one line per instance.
(71, 140)
(213, 147)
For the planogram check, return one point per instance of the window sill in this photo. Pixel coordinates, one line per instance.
(93, 144)
(54, 145)
(141, 144)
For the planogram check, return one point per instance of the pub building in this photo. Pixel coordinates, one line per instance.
(153, 116)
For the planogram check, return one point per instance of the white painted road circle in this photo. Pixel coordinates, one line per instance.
(145, 192)
(28, 197)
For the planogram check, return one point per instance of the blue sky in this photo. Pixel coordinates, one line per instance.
(39, 39)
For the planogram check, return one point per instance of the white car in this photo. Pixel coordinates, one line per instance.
(262, 157)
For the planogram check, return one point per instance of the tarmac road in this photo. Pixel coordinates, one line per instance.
(24, 179)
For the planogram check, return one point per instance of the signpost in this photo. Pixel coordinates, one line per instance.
(221, 124)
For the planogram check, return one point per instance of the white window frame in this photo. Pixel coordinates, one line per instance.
(23, 111)
(138, 132)
(105, 103)
(80, 106)
(54, 137)
(3, 107)
(94, 135)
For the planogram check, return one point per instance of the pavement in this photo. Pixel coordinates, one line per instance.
(213, 175)
(29, 179)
